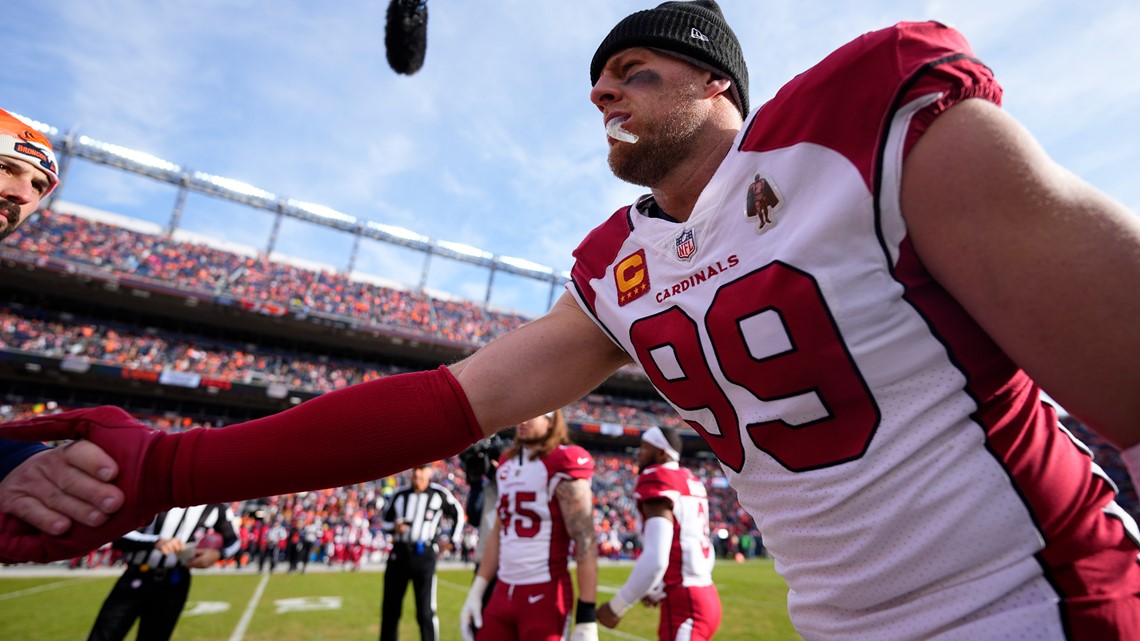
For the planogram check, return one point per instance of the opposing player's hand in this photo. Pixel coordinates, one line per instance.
(607, 616)
(124, 440)
(585, 632)
(70, 483)
(471, 616)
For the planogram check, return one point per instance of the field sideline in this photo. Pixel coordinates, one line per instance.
(334, 605)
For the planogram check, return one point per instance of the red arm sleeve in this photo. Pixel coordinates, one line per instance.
(360, 433)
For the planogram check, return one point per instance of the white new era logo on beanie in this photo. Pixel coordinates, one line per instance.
(696, 33)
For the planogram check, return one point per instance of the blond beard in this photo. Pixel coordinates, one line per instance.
(663, 144)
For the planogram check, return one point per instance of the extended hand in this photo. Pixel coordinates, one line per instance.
(127, 442)
(70, 483)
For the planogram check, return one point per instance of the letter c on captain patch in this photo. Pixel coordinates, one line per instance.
(632, 277)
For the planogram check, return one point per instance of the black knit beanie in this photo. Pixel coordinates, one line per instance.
(693, 30)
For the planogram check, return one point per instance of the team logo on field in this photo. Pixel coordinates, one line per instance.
(763, 201)
(631, 277)
(686, 245)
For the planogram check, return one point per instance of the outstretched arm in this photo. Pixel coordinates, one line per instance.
(1045, 263)
(540, 366)
(343, 437)
(649, 570)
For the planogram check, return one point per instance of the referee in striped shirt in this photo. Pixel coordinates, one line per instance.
(413, 517)
(157, 580)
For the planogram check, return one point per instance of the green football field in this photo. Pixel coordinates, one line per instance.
(335, 605)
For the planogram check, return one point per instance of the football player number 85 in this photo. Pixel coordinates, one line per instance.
(813, 360)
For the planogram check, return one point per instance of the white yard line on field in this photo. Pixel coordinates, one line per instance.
(39, 588)
(243, 624)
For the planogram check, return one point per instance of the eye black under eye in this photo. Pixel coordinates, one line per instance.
(642, 75)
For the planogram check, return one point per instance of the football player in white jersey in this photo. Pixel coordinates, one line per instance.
(675, 568)
(545, 513)
(850, 293)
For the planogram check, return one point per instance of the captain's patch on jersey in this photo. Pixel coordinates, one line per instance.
(631, 277)
(763, 201)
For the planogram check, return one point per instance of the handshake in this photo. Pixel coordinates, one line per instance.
(145, 487)
(158, 471)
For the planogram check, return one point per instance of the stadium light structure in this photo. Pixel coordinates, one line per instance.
(322, 211)
(145, 164)
(398, 232)
(43, 127)
(526, 265)
(463, 251)
(234, 186)
(132, 155)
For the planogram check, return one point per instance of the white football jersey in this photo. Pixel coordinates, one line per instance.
(534, 546)
(902, 470)
(691, 557)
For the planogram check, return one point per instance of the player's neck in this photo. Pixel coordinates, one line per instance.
(678, 192)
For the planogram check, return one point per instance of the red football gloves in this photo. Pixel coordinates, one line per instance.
(360, 433)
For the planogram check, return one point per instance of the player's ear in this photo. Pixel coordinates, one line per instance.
(718, 85)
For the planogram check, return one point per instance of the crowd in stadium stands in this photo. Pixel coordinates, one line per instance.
(255, 281)
(598, 408)
(139, 348)
(64, 335)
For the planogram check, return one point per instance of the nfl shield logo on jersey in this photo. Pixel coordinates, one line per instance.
(686, 245)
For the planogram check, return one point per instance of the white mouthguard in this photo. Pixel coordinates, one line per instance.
(615, 131)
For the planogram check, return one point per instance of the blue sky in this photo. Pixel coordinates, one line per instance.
(494, 142)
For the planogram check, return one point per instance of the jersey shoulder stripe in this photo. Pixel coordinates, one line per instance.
(571, 461)
(870, 76)
(597, 251)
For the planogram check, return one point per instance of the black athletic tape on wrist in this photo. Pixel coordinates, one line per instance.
(586, 612)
